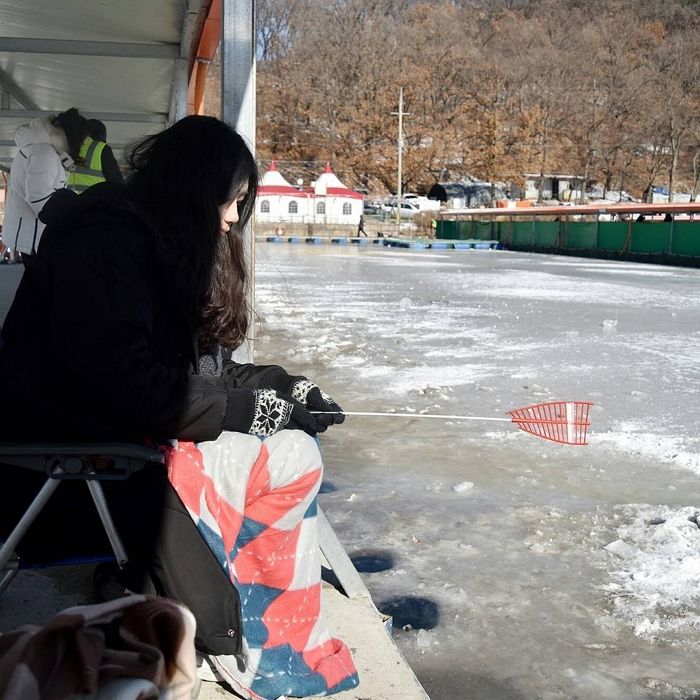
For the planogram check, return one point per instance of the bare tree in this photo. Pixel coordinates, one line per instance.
(679, 88)
(495, 88)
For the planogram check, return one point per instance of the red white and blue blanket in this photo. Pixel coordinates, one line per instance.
(254, 502)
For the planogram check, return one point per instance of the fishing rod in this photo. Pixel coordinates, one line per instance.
(565, 422)
(416, 415)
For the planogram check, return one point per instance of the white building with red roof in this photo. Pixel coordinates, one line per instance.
(327, 201)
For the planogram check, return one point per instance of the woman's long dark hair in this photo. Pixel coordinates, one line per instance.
(181, 176)
(75, 127)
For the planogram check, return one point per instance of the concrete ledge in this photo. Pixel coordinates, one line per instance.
(384, 673)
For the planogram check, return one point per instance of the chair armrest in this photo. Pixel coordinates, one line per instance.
(81, 460)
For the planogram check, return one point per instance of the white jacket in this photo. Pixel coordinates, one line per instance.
(36, 173)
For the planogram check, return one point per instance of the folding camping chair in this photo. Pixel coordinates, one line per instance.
(96, 462)
(89, 462)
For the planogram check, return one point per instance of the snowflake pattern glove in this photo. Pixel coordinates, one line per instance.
(272, 413)
(310, 395)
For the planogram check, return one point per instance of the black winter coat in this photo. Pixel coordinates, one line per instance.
(96, 346)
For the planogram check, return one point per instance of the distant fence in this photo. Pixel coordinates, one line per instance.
(663, 241)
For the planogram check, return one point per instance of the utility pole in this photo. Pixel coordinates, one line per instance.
(401, 114)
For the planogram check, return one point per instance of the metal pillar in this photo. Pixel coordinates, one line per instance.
(238, 109)
(238, 67)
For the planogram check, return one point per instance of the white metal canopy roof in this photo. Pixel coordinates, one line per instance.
(121, 61)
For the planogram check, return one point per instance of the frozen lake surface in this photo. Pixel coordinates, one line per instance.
(514, 568)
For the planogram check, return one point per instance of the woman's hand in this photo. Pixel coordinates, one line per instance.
(274, 413)
(298, 403)
(310, 395)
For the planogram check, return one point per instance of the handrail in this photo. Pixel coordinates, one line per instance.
(566, 210)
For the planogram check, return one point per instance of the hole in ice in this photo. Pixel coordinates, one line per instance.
(370, 561)
(418, 613)
(327, 487)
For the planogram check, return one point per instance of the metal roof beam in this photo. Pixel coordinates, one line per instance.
(195, 13)
(88, 48)
(178, 91)
(192, 23)
(9, 85)
(133, 117)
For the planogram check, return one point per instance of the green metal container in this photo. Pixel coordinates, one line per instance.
(579, 235)
(686, 238)
(612, 235)
(650, 237)
(633, 238)
(546, 234)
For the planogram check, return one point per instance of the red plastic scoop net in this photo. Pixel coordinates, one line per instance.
(565, 422)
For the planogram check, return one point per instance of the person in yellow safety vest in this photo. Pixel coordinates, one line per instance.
(96, 162)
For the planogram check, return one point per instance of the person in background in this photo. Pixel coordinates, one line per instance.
(37, 171)
(136, 291)
(361, 227)
(110, 168)
(94, 161)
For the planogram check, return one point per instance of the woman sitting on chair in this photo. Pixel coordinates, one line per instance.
(116, 334)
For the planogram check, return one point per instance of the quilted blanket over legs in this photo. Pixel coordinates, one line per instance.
(254, 502)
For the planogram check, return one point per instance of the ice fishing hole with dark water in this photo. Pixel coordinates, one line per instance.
(370, 561)
(413, 611)
(327, 487)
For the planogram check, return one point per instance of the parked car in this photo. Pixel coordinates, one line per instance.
(423, 203)
(372, 206)
(408, 209)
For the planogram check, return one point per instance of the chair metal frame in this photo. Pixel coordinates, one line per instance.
(89, 462)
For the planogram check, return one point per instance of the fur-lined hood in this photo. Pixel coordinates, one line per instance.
(41, 130)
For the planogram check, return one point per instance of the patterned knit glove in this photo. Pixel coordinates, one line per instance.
(310, 395)
(273, 413)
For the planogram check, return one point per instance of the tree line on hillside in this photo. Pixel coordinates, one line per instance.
(605, 90)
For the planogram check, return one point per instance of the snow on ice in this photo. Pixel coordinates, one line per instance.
(656, 588)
